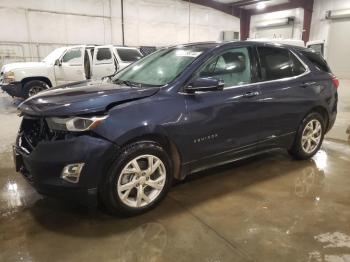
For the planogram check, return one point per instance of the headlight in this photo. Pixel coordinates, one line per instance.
(74, 124)
(9, 77)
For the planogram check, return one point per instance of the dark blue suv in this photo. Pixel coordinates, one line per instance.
(122, 141)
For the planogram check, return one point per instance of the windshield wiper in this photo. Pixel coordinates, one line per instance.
(109, 76)
(128, 83)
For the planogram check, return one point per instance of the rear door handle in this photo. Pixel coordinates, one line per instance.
(251, 94)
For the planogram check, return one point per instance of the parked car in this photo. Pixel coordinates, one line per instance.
(65, 65)
(174, 112)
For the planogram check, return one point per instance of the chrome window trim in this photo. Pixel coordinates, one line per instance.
(307, 71)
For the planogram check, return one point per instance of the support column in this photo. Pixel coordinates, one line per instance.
(308, 8)
(244, 24)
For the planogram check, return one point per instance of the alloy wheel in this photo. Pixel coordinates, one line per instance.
(141, 181)
(311, 136)
(34, 90)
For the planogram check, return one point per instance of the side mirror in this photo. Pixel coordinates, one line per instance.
(205, 84)
(58, 62)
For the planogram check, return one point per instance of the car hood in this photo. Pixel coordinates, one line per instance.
(23, 65)
(82, 98)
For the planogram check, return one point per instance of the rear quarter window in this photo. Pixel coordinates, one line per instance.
(278, 63)
(129, 55)
(317, 60)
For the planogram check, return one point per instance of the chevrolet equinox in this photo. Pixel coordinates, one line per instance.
(121, 141)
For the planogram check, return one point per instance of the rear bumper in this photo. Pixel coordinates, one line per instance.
(13, 89)
(43, 166)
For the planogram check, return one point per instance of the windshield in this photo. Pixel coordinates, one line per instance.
(128, 55)
(159, 68)
(54, 55)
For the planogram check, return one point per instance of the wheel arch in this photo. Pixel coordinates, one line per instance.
(318, 109)
(166, 143)
(323, 112)
(33, 78)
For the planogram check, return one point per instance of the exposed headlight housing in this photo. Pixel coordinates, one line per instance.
(74, 124)
(9, 77)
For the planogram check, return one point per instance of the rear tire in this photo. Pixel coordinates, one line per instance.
(309, 137)
(138, 180)
(33, 87)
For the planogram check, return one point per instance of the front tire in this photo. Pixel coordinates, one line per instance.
(138, 179)
(32, 88)
(309, 137)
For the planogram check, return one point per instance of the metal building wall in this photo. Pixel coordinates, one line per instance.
(32, 28)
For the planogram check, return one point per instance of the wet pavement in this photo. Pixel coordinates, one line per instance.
(267, 208)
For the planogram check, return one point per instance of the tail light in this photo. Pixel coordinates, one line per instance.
(335, 81)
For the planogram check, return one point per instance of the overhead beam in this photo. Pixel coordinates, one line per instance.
(245, 3)
(281, 7)
(226, 8)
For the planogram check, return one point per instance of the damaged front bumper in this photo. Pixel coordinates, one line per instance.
(42, 162)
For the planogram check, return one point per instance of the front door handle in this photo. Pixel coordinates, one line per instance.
(251, 94)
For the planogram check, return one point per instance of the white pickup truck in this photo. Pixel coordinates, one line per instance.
(65, 65)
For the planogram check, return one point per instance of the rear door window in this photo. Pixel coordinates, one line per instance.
(317, 61)
(103, 54)
(278, 63)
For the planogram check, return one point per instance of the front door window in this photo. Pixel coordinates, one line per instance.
(233, 67)
(73, 56)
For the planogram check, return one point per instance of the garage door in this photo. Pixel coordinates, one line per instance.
(339, 48)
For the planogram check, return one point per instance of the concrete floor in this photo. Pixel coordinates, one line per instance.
(268, 208)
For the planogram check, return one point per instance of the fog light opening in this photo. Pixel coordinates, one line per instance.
(71, 173)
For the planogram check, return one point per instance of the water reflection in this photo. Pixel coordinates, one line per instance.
(145, 243)
(320, 159)
(334, 240)
(310, 182)
(13, 196)
(333, 246)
